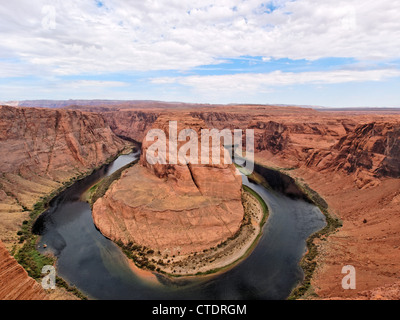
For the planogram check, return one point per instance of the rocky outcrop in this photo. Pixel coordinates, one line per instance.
(174, 208)
(15, 284)
(273, 137)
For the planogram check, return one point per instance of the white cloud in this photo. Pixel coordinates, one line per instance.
(250, 83)
(97, 84)
(161, 35)
(52, 88)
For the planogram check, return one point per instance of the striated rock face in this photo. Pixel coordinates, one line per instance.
(273, 136)
(15, 284)
(374, 147)
(196, 177)
(45, 141)
(370, 152)
(176, 208)
(41, 148)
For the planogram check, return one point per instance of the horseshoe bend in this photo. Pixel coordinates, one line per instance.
(178, 154)
(178, 212)
(188, 219)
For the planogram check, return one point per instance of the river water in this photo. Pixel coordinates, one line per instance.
(96, 266)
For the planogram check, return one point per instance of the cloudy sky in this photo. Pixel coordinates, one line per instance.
(307, 52)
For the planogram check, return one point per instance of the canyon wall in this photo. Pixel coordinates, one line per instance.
(131, 124)
(372, 151)
(40, 149)
(361, 145)
(289, 132)
(357, 145)
(47, 147)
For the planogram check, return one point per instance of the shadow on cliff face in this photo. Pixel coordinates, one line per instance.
(282, 183)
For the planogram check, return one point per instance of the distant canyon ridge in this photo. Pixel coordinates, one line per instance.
(350, 157)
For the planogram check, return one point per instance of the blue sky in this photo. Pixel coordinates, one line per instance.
(305, 52)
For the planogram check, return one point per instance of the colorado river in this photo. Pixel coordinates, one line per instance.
(97, 267)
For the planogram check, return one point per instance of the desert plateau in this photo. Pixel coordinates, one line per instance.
(199, 158)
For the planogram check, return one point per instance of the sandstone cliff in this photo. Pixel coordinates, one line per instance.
(174, 208)
(46, 147)
(15, 284)
(370, 152)
(40, 149)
